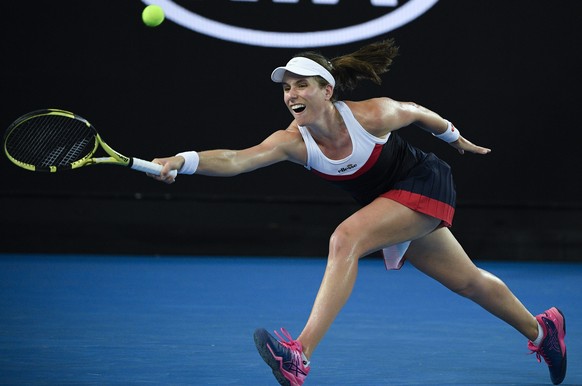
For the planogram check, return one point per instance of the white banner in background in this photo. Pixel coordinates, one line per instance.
(400, 15)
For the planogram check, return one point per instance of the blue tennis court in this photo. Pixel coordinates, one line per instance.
(119, 320)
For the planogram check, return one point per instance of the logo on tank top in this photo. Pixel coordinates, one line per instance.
(347, 168)
(293, 23)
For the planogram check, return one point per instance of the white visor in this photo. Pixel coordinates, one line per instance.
(304, 67)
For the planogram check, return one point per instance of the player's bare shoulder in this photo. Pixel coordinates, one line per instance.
(376, 114)
(290, 142)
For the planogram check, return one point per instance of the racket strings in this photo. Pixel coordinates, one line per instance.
(51, 140)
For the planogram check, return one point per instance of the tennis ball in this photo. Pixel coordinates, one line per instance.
(153, 15)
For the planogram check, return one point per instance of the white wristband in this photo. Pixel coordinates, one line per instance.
(451, 134)
(191, 161)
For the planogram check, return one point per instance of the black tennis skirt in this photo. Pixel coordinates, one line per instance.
(428, 188)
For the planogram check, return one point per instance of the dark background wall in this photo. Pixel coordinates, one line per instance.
(506, 73)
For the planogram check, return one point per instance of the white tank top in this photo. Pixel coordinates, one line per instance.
(365, 150)
(363, 145)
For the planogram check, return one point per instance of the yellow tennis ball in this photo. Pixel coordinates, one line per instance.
(153, 15)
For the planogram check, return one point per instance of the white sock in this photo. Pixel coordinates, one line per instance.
(305, 361)
(540, 337)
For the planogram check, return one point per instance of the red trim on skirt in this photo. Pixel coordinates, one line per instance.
(423, 204)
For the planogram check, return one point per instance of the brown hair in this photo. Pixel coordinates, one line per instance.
(368, 63)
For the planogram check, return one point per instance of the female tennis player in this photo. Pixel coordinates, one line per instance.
(407, 198)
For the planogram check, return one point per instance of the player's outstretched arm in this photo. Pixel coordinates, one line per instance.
(280, 146)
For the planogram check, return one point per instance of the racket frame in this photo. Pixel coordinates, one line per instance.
(115, 158)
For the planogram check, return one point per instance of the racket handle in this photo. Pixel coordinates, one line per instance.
(149, 167)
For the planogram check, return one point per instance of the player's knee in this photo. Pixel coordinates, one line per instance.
(343, 243)
(477, 285)
(466, 289)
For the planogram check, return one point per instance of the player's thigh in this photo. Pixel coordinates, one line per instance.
(440, 256)
(382, 223)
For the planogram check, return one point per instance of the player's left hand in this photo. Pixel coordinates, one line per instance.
(462, 145)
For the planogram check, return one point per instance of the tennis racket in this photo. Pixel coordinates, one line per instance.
(52, 140)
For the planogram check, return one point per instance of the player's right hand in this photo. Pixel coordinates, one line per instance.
(169, 164)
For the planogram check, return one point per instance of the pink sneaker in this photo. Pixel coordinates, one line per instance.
(553, 347)
(283, 356)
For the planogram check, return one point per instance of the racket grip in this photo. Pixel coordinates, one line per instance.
(149, 167)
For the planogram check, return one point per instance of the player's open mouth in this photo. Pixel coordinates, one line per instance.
(298, 108)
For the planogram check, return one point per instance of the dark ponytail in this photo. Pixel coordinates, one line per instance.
(367, 63)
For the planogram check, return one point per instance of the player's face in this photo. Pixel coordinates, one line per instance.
(304, 97)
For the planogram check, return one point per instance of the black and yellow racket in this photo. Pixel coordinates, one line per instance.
(52, 140)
